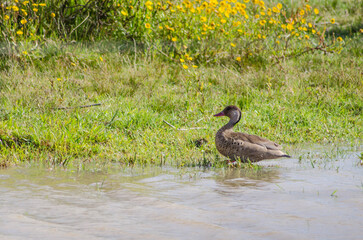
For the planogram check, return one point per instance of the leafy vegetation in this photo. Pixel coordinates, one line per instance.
(190, 32)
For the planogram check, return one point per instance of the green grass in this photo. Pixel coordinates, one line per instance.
(313, 98)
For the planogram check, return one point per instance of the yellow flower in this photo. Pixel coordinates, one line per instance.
(203, 19)
(182, 60)
(148, 5)
(310, 25)
(279, 6)
(223, 20)
(25, 3)
(238, 59)
(339, 39)
(233, 45)
(361, 30)
(25, 52)
(195, 66)
(19, 32)
(277, 42)
(35, 4)
(262, 13)
(15, 8)
(42, 4)
(52, 15)
(262, 22)
(302, 12)
(190, 58)
(283, 26)
(6, 17)
(289, 27)
(303, 20)
(236, 24)
(101, 59)
(246, 1)
(332, 20)
(313, 31)
(24, 11)
(35, 9)
(147, 25)
(160, 27)
(275, 10)
(257, 16)
(306, 36)
(174, 39)
(23, 21)
(59, 79)
(124, 13)
(185, 66)
(316, 11)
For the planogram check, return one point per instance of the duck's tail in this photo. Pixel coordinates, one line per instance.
(285, 155)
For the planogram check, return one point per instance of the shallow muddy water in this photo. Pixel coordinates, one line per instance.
(316, 196)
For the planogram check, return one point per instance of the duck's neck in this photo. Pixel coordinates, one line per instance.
(234, 119)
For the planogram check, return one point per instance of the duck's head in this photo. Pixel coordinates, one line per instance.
(233, 112)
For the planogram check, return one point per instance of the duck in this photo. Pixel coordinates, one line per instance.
(243, 146)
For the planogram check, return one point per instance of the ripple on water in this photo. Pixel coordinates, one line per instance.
(310, 198)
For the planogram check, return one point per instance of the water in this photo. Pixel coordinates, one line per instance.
(319, 196)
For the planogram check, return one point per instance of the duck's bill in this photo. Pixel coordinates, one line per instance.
(219, 114)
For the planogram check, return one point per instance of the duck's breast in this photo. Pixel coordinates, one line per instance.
(228, 146)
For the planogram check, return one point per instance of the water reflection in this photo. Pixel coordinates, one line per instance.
(236, 177)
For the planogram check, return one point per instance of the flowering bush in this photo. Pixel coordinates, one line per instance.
(189, 31)
(215, 30)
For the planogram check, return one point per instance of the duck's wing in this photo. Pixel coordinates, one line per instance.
(237, 136)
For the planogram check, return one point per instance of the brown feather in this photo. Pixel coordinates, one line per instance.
(243, 146)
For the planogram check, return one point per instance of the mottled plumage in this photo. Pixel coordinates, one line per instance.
(236, 145)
